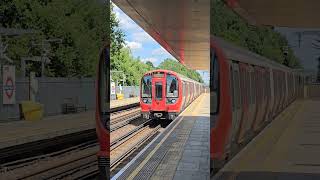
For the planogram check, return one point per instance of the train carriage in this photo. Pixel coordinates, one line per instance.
(246, 92)
(164, 94)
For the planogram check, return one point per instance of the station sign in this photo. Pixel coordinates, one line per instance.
(113, 88)
(9, 85)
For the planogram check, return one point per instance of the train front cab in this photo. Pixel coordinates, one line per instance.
(160, 95)
(220, 106)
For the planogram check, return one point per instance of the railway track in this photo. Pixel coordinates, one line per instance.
(77, 160)
(123, 148)
(45, 146)
(119, 120)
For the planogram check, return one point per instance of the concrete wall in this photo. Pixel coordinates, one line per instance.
(52, 93)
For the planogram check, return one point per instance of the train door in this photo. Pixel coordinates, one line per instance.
(271, 88)
(188, 93)
(251, 99)
(183, 94)
(286, 90)
(158, 92)
(258, 82)
(192, 92)
(276, 91)
(268, 95)
(244, 100)
(237, 103)
(282, 91)
(234, 109)
(264, 98)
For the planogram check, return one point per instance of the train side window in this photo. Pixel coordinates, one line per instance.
(214, 83)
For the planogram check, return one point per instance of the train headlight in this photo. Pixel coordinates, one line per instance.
(145, 100)
(173, 100)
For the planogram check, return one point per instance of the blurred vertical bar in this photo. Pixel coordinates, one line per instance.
(103, 101)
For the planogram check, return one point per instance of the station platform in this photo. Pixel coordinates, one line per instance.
(20, 132)
(288, 148)
(181, 151)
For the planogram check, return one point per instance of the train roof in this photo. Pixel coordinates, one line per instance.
(243, 55)
(182, 77)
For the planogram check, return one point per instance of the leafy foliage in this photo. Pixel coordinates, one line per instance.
(175, 66)
(80, 24)
(261, 40)
(132, 67)
(150, 64)
(117, 36)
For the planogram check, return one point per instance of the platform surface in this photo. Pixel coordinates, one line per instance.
(181, 151)
(19, 132)
(288, 148)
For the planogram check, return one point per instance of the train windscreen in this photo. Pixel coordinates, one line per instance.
(146, 87)
(172, 86)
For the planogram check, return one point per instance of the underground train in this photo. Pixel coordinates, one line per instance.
(164, 94)
(247, 91)
(102, 114)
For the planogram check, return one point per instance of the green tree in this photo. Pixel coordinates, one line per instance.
(80, 24)
(117, 35)
(150, 64)
(262, 40)
(175, 66)
(132, 67)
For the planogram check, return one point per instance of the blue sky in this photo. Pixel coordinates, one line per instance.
(141, 44)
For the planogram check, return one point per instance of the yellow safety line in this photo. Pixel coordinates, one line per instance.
(142, 164)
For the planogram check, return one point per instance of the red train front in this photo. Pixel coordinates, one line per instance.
(164, 94)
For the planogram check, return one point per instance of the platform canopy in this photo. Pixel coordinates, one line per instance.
(182, 27)
(283, 13)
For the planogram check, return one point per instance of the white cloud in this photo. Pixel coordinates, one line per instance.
(133, 45)
(153, 60)
(159, 51)
(125, 22)
(142, 37)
